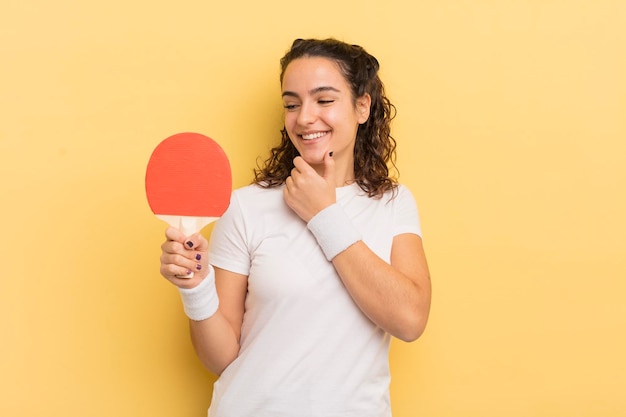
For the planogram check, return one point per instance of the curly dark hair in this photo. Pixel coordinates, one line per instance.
(375, 148)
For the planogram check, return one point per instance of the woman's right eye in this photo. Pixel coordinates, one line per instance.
(290, 107)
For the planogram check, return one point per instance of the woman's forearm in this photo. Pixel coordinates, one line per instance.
(215, 342)
(395, 296)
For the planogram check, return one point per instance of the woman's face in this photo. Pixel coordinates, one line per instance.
(320, 113)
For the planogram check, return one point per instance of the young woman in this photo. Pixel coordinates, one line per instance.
(318, 263)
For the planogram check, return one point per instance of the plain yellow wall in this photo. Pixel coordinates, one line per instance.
(511, 133)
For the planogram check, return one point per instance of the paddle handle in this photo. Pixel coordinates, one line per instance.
(188, 225)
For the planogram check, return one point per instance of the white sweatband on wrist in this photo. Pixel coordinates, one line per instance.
(201, 301)
(333, 230)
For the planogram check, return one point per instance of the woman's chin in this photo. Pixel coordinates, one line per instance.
(313, 158)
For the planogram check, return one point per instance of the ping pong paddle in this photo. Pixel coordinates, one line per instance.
(188, 182)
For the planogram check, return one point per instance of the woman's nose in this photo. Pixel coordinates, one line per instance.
(307, 114)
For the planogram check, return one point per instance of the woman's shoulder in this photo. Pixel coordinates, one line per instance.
(402, 189)
(256, 190)
(398, 192)
(257, 197)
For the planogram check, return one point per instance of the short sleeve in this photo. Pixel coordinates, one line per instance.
(228, 248)
(406, 213)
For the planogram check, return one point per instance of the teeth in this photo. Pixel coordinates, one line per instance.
(313, 135)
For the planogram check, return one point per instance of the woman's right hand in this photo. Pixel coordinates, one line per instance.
(181, 255)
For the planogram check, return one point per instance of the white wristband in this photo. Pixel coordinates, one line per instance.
(333, 230)
(201, 301)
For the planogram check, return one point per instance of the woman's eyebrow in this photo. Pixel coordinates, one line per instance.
(322, 89)
(289, 94)
(311, 92)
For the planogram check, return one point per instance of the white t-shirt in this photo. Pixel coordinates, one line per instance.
(307, 350)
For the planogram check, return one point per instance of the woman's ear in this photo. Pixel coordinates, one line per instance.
(363, 106)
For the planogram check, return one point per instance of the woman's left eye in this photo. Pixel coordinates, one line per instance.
(325, 101)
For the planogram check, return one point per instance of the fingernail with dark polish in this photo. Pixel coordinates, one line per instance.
(189, 243)
(198, 267)
(198, 257)
(188, 272)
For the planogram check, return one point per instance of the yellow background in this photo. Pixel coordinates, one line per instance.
(511, 133)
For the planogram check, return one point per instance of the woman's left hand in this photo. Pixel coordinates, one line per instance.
(306, 192)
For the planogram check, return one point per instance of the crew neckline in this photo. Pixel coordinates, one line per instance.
(350, 189)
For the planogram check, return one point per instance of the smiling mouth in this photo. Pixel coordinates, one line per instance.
(311, 136)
